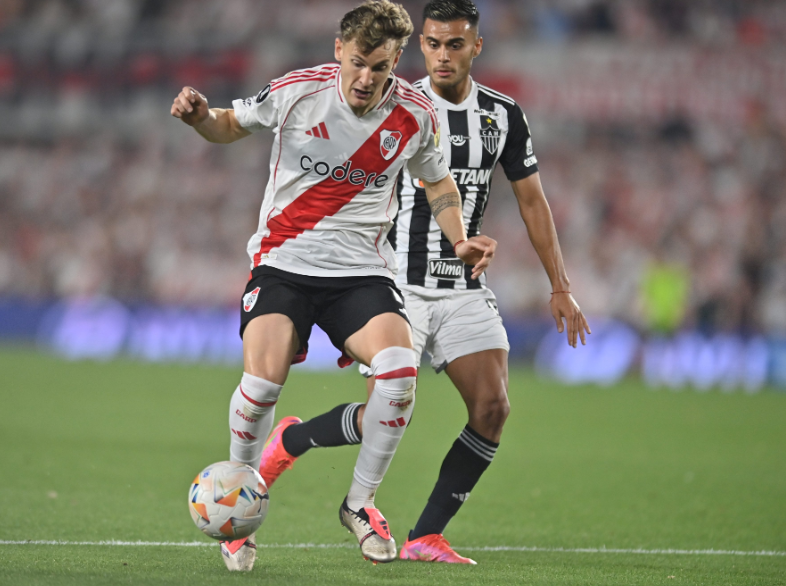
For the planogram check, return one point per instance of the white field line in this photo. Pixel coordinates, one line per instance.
(117, 543)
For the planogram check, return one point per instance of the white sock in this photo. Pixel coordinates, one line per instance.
(387, 414)
(251, 413)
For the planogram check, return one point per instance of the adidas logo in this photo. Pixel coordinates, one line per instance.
(462, 497)
(320, 131)
(399, 422)
(243, 435)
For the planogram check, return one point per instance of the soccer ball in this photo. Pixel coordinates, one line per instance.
(228, 500)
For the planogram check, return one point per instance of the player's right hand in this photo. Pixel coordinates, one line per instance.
(564, 306)
(190, 106)
(477, 252)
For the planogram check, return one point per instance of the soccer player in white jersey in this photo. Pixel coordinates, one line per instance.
(454, 316)
(343, 132)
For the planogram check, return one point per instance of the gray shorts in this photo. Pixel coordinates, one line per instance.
(447, 328)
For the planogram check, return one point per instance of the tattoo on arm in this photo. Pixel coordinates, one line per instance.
(447, 200)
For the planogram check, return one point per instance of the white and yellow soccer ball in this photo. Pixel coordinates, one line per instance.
(228, 500)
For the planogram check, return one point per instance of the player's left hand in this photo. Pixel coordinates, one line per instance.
(564, 306)
(477, 251)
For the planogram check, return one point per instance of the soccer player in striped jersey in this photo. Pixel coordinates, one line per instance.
(454, 315)
(321, 253)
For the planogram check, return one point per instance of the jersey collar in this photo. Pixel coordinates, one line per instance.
(470, 99)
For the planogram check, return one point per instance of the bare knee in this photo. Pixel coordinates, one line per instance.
(488, 416)
(496, 411)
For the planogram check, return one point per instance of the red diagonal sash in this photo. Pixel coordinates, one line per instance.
(328, 196)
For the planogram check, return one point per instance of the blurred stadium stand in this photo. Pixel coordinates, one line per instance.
(660, 128)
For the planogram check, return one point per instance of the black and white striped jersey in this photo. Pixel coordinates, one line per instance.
(488, 127)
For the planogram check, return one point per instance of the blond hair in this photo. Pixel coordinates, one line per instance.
(374, 22)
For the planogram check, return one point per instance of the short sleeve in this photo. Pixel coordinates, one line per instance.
(256, 112)
(429, 162)
(518, 158)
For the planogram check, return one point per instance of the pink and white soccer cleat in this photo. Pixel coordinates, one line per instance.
(239, 555)
(275, 459)
(432, 548)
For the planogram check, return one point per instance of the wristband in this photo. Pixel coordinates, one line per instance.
(456, 244)
(554, 292)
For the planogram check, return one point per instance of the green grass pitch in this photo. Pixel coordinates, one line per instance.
(106, 451)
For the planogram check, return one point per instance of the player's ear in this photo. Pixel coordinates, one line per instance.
(339, 48)
(398, 56)
(422, 44)
(478, 46)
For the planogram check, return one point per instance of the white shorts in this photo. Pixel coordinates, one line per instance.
(453, 326)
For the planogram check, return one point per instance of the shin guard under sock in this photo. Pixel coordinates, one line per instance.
(251, 413)
(386, 417)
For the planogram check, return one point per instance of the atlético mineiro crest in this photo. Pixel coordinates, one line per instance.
(250, 299)
(489, 133)
(388, 143)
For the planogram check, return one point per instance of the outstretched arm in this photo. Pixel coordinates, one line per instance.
(536, 214)
(214, 124)
(445, 201)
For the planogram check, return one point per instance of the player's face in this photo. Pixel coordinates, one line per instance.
(363, 75)
(449, 48)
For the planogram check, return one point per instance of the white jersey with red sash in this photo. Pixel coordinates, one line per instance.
(331, 196)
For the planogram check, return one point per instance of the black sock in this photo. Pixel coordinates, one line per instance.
(337, 427)
(461, 469)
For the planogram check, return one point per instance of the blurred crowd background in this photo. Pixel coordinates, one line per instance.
(659, 125)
